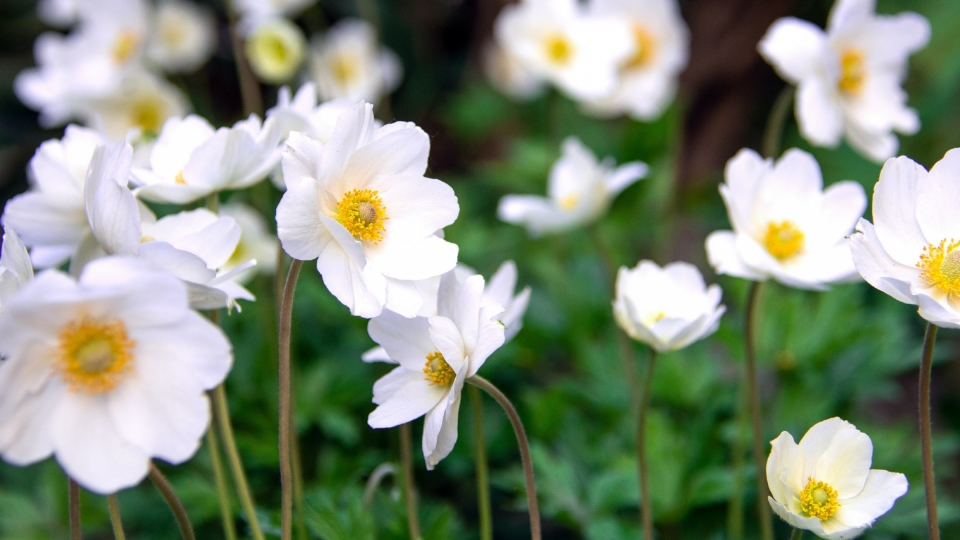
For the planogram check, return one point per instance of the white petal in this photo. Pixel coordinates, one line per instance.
(360, 288)
(377, 354)
(25, 434)
(490, 338)
(742, 175)
(111, 208)
(818, 113)
(725, 259)
(624, 175)
(440, 425)
(811, 524)
(413, 259)
(795, 48)
(405, 341)
(936, 312)
(415, 399)
(895, 199)
(401, 152)
(938, 200)
(447, 339)
(882, 488)
(845, 464)
(14, 256)
(194, 348)
(389, 384)
(415, 206)
(847, 13)
(538, 214)
(403, 297)
(785, 469)
(878, 268)
(42, 222)
(299, 227)
(300, 158)
(819, 438)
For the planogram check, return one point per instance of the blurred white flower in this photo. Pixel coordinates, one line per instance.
(785, 225)
(256, 242)
(137, 107)
(183, 36)
(648, 79)
(301, 112)
(580, 190)
(254, 11)
(15, 267)
(509, 75)
(361, 206)
(825, 484)
(349, 62)
(848, 78)
(59, 13)
(275, 48)
(436, 356)
(106, 373)
(667, 308)
(558, 41)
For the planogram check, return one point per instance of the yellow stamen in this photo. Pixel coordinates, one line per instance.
(148, 113)
(559, 49)
(818, 499)
(852, 71)
(646, 47)
(361, 212)
(344, 68)
(655, 318)
(94, 354)
(568, 202)
(783, 240)
(124, 46)
(940, 267)
(437, 370)
(179, 179)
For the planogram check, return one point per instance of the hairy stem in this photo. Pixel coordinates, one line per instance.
(763, 508)
(409, 489)
(298, 513)
(221, 414)
(483, 482)
(646, 508)
(179, 512)
(223, 492)
(73, 502)
(926, 365)
(115, 518)
(286, 411)
(773, 132)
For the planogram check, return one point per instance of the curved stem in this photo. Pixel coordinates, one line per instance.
(796, 534)
(518, 430)
(221, 414)
(483, 482)
(179, 512)
(223, 492)
(115, 518)
(409, 490)
(286, 415)
(73, 502)
(646, 507)
(376, 477)
(763, 508)
(926, 365)
(773, 132)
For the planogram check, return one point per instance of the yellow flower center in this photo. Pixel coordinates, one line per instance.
(94, 354)
(344, 68)
(654, 318)
(124, 46)
(559, 49)
(568, 202)
(361, 212)
(940, 266)
(818, 500)
(437, 370)
(645, 48)
(179, 179)
(148, 113)
(173, 31)
(852, 71)
(783, 240)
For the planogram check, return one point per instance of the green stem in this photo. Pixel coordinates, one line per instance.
(521, 434)
(483, 482)
(735, 509)
(223, 492)
(115, 518)
(773, 132)
(213, 202)
(763, 508)
(221, 414)
(298, 513)
(286, 411)
(376, 477)
(926, 366)
(249, 86)
(646, 506)
(796, 534)
(409, 489)
(179, 512)
(73, 502)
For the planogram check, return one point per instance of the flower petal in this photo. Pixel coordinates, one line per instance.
(881, 490)
(878, 268)
(794, 47)
(415, 399)
(818, 113)
(896, 198)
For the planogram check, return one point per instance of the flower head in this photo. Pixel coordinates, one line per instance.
(349, 62)
(509, 75)
(302, 113)
(275, 48)
(138, 106)
(183, 38)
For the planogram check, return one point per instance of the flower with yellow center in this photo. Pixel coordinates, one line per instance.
(124, 45)
(349, 62)
(276, 49)
(819, 500)
(783, 240)
(437, 370)
(142, 102)
(184, 36)
(645, 48)
(95, 354)
(558, 49)
(362, 214)
(852, 71)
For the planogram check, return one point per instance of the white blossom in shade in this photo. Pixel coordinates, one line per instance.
(580, 190)
(190, 160)
(275, 49)
(256, 242)
(849, 78)
(254, 11)
(558, 41)
(435, 355)
(302, 113)
(509, 75)
(59, 13)
(667, 308)
(349, 62)
(183, 36)
(785, 225)
(137, 107)
(106, 373)
(15, 267)
(825, 484)
(361, 206)
(648, 79)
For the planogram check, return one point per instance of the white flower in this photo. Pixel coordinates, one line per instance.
(825, 484)
(558, 41)
(15, 267)
(106, 373)
(184, 36)
(256, 242)
(848, 78)
(648, 79)
(301, 112)
(275, 48)
(509, 75)
(361, 206)
(138, 106)
(254, 11)
(580, 190)
(785, 225)
(349, 62)
(667, 308)
(436, 356)
(59, 13)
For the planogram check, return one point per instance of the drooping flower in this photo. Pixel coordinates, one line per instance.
(509, 75)
(785, 225)
(361, 206)
(15, 267)
(667, 308)
(349, 62)
(106, 373)
(436, 356)
(256, 242)
(580, 190)
(825, 484)
(848, 78)
(183, 38)
(275, 48)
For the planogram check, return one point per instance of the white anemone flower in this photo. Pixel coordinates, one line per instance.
(256, 242)
(580, 190)
(59, 13)
(648, 79)
(254, 11)
(667, 308)
(436, 356)
(275, 49)
(15, 267)
(361, 206)
(302, 113)
(349, 62)
(509, 75)
(848, 78)
(825, 484)
(183, 38)
(106, 373)
(558, 41)
(137, 108)
(785, 225)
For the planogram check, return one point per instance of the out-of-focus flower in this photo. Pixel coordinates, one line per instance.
(580, 190)
(301, 112)
(825, 484)
(184, 36)
(256, 242)
(558, 41)
(848, 78)
(509, 75)
(436, 356)
(910, 251)
(15, 267)
(106, 373)
(361, 206)
(785, 225)
(648, 79)
(349, 62)
(138, 107)
(276, 48)
(254, 11)
(59, 13)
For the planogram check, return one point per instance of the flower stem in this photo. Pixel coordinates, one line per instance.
(773, 133)
(115, 518)
(763, 508)
(483, 482)
(518, 430)
(249, 87)
(223, 492)
(930, 487)
(735, 510)
(286, 414)
(796, 534)
(376, 477)
(221, 414)
(179, 512)
(409, 491)
(73, 502)
(646, 507)
(298, 513)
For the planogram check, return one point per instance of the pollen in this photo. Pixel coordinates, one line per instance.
(148, 113)
(940, 267)
(558, 48)
(124, 46)
(179, 179)
(437, 370)
(361, 212)
(818, 499)
(344, 68)
(783, 240)
(568, 202)
(645, 48)
(94, 354)
(852, 71)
